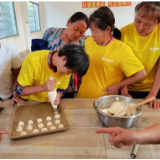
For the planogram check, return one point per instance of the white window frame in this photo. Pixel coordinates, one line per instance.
(2, 21)
(36, 30)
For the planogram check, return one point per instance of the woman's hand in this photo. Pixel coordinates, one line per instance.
(49, 85)
(57, 100)
(154, 103)
(119, 137)
(16, 98)
(124, 92)
(112, 89)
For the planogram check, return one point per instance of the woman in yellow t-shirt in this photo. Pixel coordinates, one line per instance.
(143, 36)
(33, 81)
(110, 59)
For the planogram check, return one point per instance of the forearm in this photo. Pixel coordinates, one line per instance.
(132, 79)
(15, 80)
(156, 84)
(32, 90)
(124, 89)
(59, 94)
(149, 135)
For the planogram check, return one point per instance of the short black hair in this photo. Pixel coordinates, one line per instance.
(79, 16)
(102, 18)
(77, 58)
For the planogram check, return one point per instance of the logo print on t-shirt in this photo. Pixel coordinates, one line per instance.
(154, 48)
(107, 59)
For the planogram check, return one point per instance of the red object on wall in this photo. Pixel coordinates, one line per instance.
(93, 4)
(119, 3)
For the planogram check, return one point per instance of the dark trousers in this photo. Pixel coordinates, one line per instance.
(68, 95)
(140, 95)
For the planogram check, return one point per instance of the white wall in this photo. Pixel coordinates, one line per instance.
(56, 14)
(23, 40)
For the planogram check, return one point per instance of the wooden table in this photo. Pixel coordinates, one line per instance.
(79, 141)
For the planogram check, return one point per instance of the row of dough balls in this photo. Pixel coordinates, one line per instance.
(39, 120)
(40, 125)
(42, 130)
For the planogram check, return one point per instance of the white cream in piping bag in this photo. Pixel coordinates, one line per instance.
(52, 95)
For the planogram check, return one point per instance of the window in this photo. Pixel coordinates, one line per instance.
(8, 25)
(33, 15)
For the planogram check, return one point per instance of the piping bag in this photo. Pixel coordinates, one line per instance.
(52, 95)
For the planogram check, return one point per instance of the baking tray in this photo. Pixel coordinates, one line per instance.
(32, 110)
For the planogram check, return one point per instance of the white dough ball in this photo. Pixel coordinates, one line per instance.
(29, 127)
(23, 133)
(40, 125)
(48, 118)
(35, 131)
(49, 123)
(30, 122)
(61, 126)
(52, 128)
(44, 129)
(21, 123)
(39, 120)
(57, 121)
(19, 129)
(57, 116)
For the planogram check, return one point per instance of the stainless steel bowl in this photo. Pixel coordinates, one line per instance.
(111, 120)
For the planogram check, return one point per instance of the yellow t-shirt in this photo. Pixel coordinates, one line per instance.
(108, 64)
(35, 71)
(147, 50)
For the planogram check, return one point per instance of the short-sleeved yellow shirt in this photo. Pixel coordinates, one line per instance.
(147, 50)
(35, 71)
(108, 64)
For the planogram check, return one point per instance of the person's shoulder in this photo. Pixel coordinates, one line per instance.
(37, 54)
(7, 45)
(127, 27)
(9, 48)
(120, 44)
(89, 40)
(53, 29)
